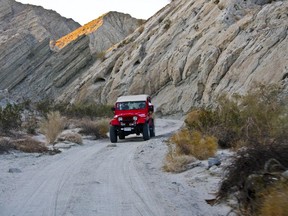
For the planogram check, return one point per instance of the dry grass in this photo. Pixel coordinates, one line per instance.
(176, 163)
(98, 128)
(6, 145)
(71, 137)
(195, 144)
(52, 126)
(275, 200)
(30, 145)
(26, 144)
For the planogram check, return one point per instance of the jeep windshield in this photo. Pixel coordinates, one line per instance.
(133, 105)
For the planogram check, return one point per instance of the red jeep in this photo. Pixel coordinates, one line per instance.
(132, 115)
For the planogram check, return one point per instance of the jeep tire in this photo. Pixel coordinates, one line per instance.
(146, 131)
(113, 134)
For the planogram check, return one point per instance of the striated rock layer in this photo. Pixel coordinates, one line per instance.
(185, 55)
(192, 51)
(32, 67)
(104, 32)
(25, 32)
(17, 18)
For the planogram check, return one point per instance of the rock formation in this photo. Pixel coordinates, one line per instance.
(115, 27)
(25, 31)
(32, 67)
(185, 55)
(17, 18)
(192, 51)
(104, 32)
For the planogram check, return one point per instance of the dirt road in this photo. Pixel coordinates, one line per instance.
(96, 179)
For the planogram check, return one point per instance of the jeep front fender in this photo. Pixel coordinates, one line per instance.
(141, 121)
(114, 122)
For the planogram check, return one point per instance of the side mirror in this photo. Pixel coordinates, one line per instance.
(113, 109)
(151, 108)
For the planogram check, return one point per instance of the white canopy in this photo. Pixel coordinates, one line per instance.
(132, 98)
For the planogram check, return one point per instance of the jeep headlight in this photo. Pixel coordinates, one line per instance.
(135, 118)
(120, 119)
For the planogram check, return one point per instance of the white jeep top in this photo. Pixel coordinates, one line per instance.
(128, 98)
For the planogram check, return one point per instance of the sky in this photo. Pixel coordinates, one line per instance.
(84, 11)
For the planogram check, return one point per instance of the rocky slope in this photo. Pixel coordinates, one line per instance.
(192, 51)
(32, 67)
(185, 55)
(17, 18)
(23, 31)
(104, 32)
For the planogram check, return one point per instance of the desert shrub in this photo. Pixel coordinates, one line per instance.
(101, 55)
(98, 129)
(265, 114)
(30, 124)
(10, 117)
(274, 200)
(6, 145)
(78, 110)
(259, 116)
(249, 161)
(194, 143)
(71, 137)
(176, 163)
(201, 120)
(52, 126)
(30, 145)
(44, 106)
(167, 24)
(88, 110)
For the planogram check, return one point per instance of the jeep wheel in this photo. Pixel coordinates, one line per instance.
(113, 134)
(146, 132)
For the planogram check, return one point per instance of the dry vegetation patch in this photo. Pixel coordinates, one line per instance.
(24, 144)
(254, 125)
(6, 145)
(71, 137)
(194, 143)
(175, 162)
(52, 126)
(185, 147)
(97, 128)
(274, 200)
(30, 145)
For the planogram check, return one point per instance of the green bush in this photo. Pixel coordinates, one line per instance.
(79, 110)
(10, 117)
(44, 106)
(88, 110)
